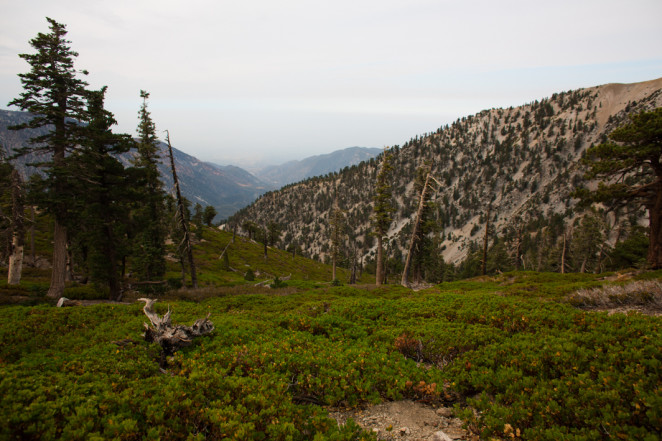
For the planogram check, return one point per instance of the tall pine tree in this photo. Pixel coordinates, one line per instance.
(54, 95)
(382, 209)
(106, 191)
(149, 216)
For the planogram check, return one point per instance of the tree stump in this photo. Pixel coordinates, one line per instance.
(171, 337)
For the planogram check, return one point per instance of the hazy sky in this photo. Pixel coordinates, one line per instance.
(248, 81)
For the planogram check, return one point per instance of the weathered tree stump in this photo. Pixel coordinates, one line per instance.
(171, 337)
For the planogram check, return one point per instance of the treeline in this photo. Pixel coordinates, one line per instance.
(111, 220)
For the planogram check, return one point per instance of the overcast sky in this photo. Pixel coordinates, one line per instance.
(248, 82)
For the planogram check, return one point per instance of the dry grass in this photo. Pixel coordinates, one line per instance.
(645, 296)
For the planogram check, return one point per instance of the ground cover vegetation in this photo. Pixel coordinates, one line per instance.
(513, 354)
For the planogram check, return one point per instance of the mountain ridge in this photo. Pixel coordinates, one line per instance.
(226, 188)
(317, 165)
(524, 160)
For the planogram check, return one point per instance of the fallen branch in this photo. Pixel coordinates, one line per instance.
(171, 337)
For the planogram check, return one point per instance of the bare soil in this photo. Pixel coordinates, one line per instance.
(407, 421)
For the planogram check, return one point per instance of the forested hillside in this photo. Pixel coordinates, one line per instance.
(226, 188)
(521, 164)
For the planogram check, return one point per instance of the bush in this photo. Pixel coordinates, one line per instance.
(278, 283)
(249, 276)
(86, 292)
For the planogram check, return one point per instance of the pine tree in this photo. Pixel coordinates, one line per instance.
(55, 97)
(631, 169)
(208, 215)
(106, 191)
(149, 258)
(338, 225)
(382, 209)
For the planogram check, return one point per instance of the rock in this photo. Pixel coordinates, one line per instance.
(404, 431)
(440, 436)
(445, 412)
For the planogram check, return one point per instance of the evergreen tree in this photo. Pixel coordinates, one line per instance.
(338, 225)
(55, 97)
(382, 209)
(631, 168)
(149, 260)
(106, 192)
(588, 238)
(208, 215)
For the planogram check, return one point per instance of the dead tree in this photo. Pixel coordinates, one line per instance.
(18, 236)
(171, 337)
(414, 235)
(182, 217)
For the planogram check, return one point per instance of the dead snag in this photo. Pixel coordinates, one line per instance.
(171, 337)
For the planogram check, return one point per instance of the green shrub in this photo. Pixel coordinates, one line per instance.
(86, 292)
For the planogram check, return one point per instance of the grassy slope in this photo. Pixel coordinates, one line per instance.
(510, 346)
(245, 254)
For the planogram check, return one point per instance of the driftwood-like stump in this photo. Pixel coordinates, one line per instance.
(171, 337)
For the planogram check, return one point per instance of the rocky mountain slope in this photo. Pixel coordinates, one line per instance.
(226, 188)
(295, 171)
(522, 160)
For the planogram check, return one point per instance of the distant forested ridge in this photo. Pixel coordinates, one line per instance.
(523, 162)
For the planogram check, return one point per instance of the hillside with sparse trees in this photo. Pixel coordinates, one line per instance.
(524, 162)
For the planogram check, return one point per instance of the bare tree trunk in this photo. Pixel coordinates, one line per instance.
(379, 277)
(655, 233)
(518, 250)
(412, 243)
(18, 237)
(182, 217)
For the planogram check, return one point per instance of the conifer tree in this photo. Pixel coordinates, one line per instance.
(338, 225)
(149, 260)
(208, 215)
(106, 191)
(54, 96)
(630, 166)
(382, 209)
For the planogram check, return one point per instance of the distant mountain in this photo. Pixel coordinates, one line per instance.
(522, 161)
(226, 188)
(295, 171)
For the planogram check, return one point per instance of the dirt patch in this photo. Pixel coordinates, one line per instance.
(407, 421)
